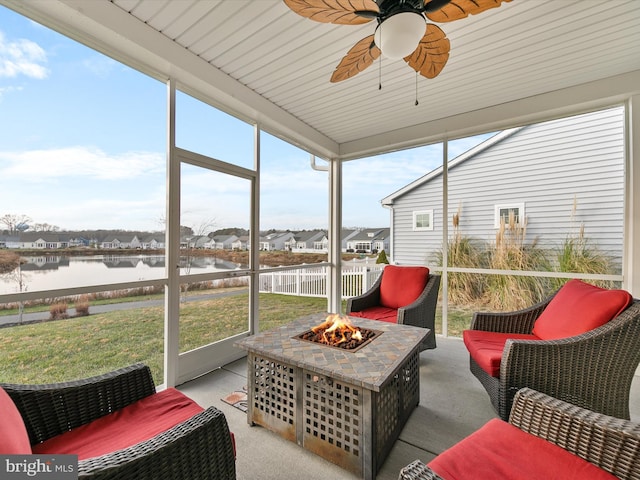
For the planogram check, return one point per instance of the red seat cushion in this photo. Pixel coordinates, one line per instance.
(501, 450)
(579, 307)
(384, 314)
(133, 424)
(14, 439)
(486, 347)
(401, 286)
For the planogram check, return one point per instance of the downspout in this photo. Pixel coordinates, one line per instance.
(315, 166)
(390, 253)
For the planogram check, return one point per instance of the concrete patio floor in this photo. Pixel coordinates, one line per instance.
(452, 405)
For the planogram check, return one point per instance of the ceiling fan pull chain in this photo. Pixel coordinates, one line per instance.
(417, 88)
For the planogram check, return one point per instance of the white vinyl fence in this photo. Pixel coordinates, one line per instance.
(312, 282)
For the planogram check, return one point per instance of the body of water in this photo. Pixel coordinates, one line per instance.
(49, 272)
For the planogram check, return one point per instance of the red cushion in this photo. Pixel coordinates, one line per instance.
(14, 439)
(133, 424)
(486, 347)
(400, 286)
(384, 314)
(500, 450)
(579, 307)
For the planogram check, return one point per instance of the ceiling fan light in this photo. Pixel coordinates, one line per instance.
(399, 35)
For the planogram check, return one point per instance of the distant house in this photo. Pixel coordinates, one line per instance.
(369, 240)
(153, 242)
(345, 235)
(241, 243)
(223, 242)
(534, 173)
(78, 241)
(43, 240)
(10, 241)
(275, 241)
(309, 241)
(195, 241)
(121, 240)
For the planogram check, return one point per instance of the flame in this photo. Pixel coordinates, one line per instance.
(335, 329)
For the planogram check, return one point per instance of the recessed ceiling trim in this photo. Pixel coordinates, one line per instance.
(547, 106)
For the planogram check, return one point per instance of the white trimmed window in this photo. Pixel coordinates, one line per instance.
(502, 213)
(423, 220)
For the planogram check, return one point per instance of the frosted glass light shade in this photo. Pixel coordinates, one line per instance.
(399, 35)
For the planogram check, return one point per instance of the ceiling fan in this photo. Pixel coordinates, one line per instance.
(402, 30)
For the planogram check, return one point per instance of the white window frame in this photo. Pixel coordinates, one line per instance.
(416, 228)
(510, 206)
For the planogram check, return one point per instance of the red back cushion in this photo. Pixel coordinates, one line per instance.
(501, 450)
(579, 307)
(401, 286)
(14, 439)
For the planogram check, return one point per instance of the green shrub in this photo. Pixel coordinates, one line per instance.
(382, 257)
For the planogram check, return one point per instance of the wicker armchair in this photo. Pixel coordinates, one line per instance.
(199, 448)
(420, 313)
(593, 370)
(609, 443)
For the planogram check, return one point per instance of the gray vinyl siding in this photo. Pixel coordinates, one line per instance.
(543, 166)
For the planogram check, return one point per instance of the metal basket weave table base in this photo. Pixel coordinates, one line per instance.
(347, 407)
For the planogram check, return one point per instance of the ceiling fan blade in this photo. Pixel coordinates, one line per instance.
(361, 56)
(432, 53)
(342, 12)
(434, 5)
(457, 9)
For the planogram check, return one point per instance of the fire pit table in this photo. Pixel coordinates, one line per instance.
(348, 406)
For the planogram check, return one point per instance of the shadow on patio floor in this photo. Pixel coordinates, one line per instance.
(452, 405)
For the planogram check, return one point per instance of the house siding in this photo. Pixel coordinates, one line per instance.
(543, 166)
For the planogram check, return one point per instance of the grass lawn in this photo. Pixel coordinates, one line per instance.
(85, 346)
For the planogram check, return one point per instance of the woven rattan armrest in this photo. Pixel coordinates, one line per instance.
(593, 370)
(519, 321)
(417, 470)
(198, 449)
(610, 443)
(607, 442)
(51, 409)
(370, 298)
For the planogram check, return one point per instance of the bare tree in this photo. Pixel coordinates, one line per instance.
(13, 222)
(200, 231)
(45, 227)
(12, 272)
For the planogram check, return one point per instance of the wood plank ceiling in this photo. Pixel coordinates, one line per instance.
(520, 50)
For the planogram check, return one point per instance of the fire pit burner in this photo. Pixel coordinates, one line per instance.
(338, 332)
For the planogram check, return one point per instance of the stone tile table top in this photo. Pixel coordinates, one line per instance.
(370, 367)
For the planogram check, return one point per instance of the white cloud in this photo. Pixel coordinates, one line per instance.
(22, 57)
(78, 161)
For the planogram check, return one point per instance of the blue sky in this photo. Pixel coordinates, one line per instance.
(83, 138)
